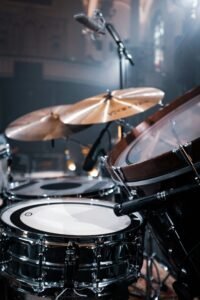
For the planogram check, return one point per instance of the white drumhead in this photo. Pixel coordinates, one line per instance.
(68, 217)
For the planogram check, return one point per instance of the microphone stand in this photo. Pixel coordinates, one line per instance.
(121, 49)
(95, 145)
(122, 53)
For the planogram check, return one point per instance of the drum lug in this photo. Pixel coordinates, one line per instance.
(119, 174)
(116, 171)
(182, 153)
(41, 258)
(71, 264)
(4, 256)
(98, 254)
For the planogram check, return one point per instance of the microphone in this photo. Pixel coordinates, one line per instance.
(150, 201)
(135, 205)
(119, 43)
(92, 156)
(94, 152)
(87, 22)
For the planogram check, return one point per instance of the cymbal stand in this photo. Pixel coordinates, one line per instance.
(124, 124)
(151, 292)
(121, 50)
(122, 53)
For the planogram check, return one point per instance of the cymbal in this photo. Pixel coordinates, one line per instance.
(41, 125)
(112, 105)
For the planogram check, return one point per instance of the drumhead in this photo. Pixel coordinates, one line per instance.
(150, 150)
(69, 217)
(65, 186)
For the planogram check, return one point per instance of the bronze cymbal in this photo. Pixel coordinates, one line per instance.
(41, 125)
(112, 105)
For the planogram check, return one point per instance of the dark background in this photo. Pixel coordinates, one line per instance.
(47, 60)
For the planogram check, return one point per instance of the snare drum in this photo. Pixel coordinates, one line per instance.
(163, 154)
(80, 244)
(4, 168)
(66, 186)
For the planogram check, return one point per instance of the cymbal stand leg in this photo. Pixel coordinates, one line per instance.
(149, 254)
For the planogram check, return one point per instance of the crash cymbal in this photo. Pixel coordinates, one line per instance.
(112, 105)
(41, 125)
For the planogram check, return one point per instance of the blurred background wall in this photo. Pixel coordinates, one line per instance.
(48, 59)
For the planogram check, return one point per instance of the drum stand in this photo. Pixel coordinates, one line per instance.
(153, 285)
(149, 255)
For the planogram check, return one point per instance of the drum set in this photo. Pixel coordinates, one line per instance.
(74, 237)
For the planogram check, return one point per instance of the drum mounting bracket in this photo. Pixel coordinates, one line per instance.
(120, 176)
(188, 159)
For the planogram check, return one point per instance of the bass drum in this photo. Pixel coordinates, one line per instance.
(66, 186)
(58, 245)
(163, 154)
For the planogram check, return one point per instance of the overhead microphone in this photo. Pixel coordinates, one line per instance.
(89, 23)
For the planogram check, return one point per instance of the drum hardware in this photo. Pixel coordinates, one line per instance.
(188, 160)
(72, 293)
(124, 124)
(149, 255)
(4, 256)
(41, 256)
(70, 264)
(118, 173)
(131, 193)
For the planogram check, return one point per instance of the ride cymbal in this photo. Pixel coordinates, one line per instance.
(111, 106)
(41, 125)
